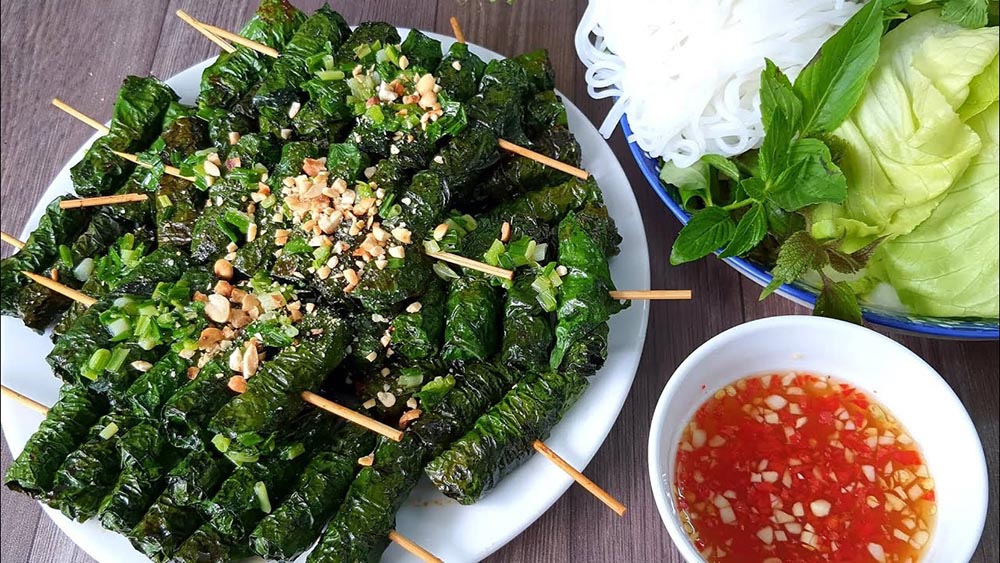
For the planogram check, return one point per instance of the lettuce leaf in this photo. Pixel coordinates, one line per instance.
(905, 143)
(947, 266)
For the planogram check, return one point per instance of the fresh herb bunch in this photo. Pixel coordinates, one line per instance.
(759, 202)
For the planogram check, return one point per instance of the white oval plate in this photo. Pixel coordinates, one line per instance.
(453, 532)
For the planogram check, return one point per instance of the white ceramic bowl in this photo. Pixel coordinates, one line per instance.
(889, 372)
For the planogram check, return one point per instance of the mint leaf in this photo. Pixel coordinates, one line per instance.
(693, 182)
(708, 230)
(832, 83)
(724, 165)
(754, 187)
(810, 178)
(777, 95)
(797, 255)
(773, 155)
(966, 13)
(837, 301)
(749, 232)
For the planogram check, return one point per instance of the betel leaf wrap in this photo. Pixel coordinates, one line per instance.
(161, 265)
(584, 302)
(550, 204)
(57, 226)
(519, 174)
(473, 321)
(538, 69)
(428, 196)
(479, 385)
(179, 509)
(64, 428)
(233, 75)
(288, 531)
(382, 291)
(190, 408)
(205, 545)
(502, 438)
(500, 110)
(75, 347)
(418, 335)
(178, 203)
(422, 51)
(359, 531)
(459, 72)
(256, 148)
(367, 33)
(151, 390)
(88, 474)
(236, 508)
(272, 397)
(587, 355)
(544, 111)
(135, 122)
(466, 159)
(321, 33)
(527, 330)
(146, 457)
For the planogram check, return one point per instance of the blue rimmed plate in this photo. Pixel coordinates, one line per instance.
(934, 327)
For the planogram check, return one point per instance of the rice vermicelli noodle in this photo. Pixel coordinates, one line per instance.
(687, 72)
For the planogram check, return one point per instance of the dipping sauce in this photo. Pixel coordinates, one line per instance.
(788, 467)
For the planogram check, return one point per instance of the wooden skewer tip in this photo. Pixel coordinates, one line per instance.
(472, 264)
(80, 116)
(542, 159)
(197, 25)
(353, 416)
(61, 289)
(102, 200)
(11, 240)
(652, 294)
(239, 39)
(26, 401)
(413, 548)
(580, 478)
(456, 29)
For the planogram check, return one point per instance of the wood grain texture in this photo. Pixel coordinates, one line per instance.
(80, 51)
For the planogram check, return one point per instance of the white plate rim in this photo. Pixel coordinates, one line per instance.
(524, 495)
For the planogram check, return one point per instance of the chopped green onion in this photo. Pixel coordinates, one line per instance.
(293, 451)
(163, 200)
(238, 219)
(249, 439)
(118, 357)
(330, 75)
(240, 458)
(492, 256)
(444, 272)
(99, 359)
(84, 269)
(260, 489)
(221, 443)
(410, 380)
(66, 255)
(431, 246)
(539, 253)
(123, 302)
(108, 431)
(269, 201)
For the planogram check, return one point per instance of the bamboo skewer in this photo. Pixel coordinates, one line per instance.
(238, 39)
(103, 129)
(11, 240)
(61, 289)
(580, 478)
(26, 401)
(167, 169)
(457, 30)
(407, 544)
(652, 294)
(102, 200)
(542, 159)
(352, 416)
(472, 264)
(224, 45)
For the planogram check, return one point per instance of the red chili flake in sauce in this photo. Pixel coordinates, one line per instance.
(788, 468)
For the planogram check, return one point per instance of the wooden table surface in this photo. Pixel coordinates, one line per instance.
(81, 50)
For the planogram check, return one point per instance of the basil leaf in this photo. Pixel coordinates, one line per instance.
(797, 255)
(692, 182)
(837, 301)
(749, 232)
(966, 13)
(708, 230)
(777, 95)
(724, 165)
(773, 156)
(832, 83)
(810, 178)
(754, 187)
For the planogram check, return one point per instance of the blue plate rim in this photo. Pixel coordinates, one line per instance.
(920, 326)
